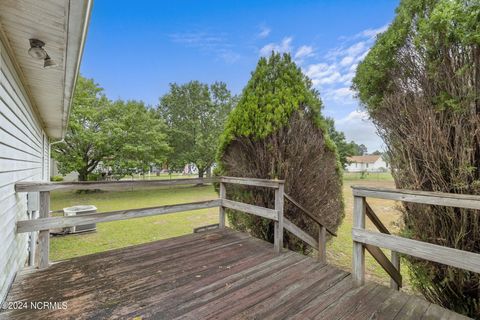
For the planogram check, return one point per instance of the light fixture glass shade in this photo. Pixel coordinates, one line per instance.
(37, 53)
(49, 63)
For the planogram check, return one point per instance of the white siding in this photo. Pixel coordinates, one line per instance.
(23, 157)
(376, 166)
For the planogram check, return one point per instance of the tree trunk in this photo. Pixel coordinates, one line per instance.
(82, 175)
(201, 173)
(209, 172)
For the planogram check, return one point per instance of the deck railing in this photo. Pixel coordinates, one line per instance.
(321, 243)
(45, 223)
(373, 241)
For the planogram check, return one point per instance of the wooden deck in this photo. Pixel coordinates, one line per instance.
(211, 275)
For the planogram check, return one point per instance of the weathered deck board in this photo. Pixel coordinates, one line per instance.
(218, 274)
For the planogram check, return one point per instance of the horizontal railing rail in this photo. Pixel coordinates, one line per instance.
(373, 241)
(449, 256)
(248, 208)
(253, 182)
(92, 185)
(310, 214)
(290, 226)
(275, 214)
(424, 197)
(321, 243)
(45, 223)
(72, 221)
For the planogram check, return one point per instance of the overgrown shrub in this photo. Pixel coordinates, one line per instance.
(421, 86)
(277, 132)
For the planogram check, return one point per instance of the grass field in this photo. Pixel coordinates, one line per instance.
(119, 234)
(371, 176)
(129, 232)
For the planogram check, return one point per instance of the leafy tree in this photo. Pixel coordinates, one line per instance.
(87, 141)
(142, 135)
(277, 132)
(361, 150)
(345, 149)
(195, 114)
(420, 83)
(126, 136)
(377, 153)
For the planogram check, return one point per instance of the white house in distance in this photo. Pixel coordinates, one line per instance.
(368, 163)
(41, 44)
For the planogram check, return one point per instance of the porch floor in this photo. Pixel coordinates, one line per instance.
(212, 275)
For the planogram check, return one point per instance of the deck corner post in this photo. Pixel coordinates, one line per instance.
(322, 245)
(221, 210)
(358, 269)
(395, 259)
(44, 235)
(278, 229)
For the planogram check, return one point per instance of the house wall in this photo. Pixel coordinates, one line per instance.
(24, 156)
(358, 167)
(379, 164)
(372, 167)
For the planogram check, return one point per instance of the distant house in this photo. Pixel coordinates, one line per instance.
(369, 163)
(41, 45)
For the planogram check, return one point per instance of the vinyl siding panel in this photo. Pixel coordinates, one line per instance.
(24, 156)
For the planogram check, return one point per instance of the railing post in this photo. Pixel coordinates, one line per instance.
(358, 269)
(44, 235)
(278, 229)
(32, 250)
(396, 263)
(322, 245)
(221, 211)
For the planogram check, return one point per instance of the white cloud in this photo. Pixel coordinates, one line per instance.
(354, 116)
(198, 39)
(216, 44)
(356, 49)
(342, 61)
(228, 56)
(357, 127)
(342, 95)
(264, 32)
(304, 52)
(332, 74)
(371, 33)
(320, 71)
(346, 61)
(284, 46)
(353, 67)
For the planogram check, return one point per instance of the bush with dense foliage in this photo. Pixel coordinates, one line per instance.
(421, 85)
(277, 132)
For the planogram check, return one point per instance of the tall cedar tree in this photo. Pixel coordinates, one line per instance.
(277, 132)
(421, 85)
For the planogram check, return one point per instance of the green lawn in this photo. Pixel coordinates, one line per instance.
(368, 176)
(119, 234)
(129, 232)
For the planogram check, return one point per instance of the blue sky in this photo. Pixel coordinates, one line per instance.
(135, 49)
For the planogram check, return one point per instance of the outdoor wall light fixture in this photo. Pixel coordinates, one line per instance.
(37, 51)
(48, 62)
